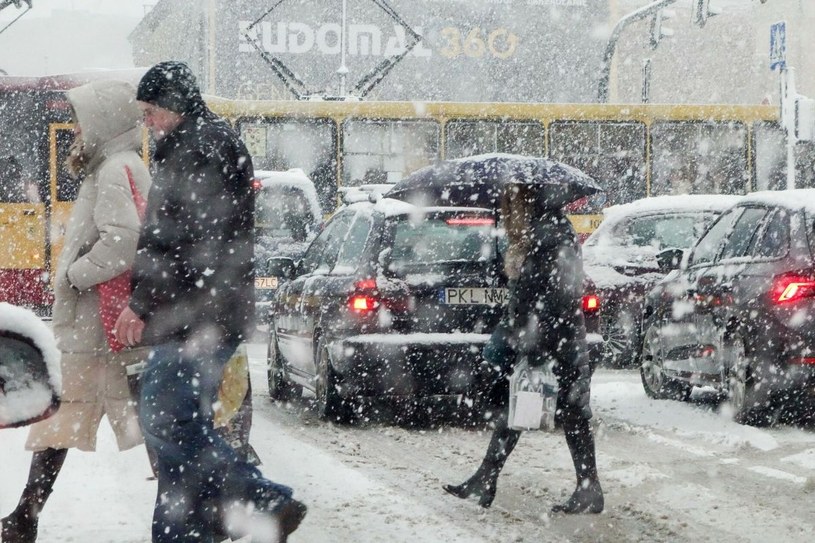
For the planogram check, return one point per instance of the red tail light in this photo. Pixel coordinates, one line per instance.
(365, 297)
(803, 361)
(792, 287)
(257, 184)
(362, 304)
(591, 303)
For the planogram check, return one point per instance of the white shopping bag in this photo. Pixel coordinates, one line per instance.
(532, 397)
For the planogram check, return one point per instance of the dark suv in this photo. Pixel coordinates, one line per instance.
(391, 300)
(738, 316)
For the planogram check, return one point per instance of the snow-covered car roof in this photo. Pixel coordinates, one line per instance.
(678, 203)
(294, 178)
(791, 199)
(364, 193)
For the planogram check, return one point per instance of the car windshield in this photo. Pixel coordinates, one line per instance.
(442, 240)
(283, 212)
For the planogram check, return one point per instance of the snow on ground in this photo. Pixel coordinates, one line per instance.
(672, 472)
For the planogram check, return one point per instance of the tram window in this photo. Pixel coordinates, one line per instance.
(770, 155)
(21, 162)
(465, 138)
(699, 158)
(384, 151)
(309, 144)
(611, 152)
(67, 185)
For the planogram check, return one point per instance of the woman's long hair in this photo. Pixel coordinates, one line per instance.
(517, 211)
(77, 158)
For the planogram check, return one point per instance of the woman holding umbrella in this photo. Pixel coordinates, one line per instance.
(543, 320)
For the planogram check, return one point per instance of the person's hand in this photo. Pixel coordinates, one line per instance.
(128, 328)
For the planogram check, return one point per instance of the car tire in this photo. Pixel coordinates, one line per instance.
(619, 331)
(656, 384)
(280, 388)
(749, 405)
(328, 402)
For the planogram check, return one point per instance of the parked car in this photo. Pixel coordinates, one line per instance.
(621, 258)
(389, 301)
(738, 315)
(287, 218)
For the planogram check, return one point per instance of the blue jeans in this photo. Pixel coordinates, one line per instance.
(198, 472)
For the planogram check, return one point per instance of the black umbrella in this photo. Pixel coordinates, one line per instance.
(479, 181)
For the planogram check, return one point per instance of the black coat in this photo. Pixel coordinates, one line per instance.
(545, 313)
(193, 275)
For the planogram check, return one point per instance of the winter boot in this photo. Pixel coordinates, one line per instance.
(588, 495)
(485, 479)
(21, 525)
(289, 517)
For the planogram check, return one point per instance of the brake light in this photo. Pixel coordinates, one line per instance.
(365, 284)
(257, 184)
(591, 303)
(471, 221)
(364, 298)
(803, 361)
(791, 288)
(362, 303)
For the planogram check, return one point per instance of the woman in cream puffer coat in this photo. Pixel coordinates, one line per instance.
(100, 244)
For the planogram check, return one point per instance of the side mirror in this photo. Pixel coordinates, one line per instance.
(670, 259)
(30, 377)
(281, 267)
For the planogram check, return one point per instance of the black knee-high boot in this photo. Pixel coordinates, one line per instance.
(483, 482)
(21, 525)
(588, 495)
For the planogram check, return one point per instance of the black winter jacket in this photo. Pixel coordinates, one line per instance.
(545, 311)
(193, 276)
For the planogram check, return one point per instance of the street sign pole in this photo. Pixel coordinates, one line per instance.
(778, 59)
(788, 120)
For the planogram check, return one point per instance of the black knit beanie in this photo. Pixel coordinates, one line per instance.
(171, 85)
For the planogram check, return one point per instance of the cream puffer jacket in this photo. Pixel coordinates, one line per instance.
(103, 230)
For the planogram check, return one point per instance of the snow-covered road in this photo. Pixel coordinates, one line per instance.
(671, 471)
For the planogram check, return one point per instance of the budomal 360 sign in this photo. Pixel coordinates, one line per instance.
(470, 50)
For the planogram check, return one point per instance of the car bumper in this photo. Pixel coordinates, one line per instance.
(407, 365)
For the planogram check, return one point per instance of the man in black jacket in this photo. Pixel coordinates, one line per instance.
(193, 301)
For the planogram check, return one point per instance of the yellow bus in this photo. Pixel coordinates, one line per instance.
(633, 150)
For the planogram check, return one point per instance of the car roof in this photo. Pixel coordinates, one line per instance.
(673, 203)
(790, 199)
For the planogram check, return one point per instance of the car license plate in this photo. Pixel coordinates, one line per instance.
(474, 296)
(265, 283)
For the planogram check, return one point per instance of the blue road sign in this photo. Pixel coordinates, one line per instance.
(778, 45)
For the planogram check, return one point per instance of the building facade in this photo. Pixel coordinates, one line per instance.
(470, 50)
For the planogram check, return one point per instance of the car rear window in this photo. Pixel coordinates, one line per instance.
(442, 239)
(676, 232)
(283, 212)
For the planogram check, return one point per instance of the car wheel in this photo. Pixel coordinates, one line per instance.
(619, 331)
(329, 404)
(652, 371)
(280, 388)
(748, 405)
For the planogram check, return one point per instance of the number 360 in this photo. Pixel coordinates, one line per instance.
(501, 43)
